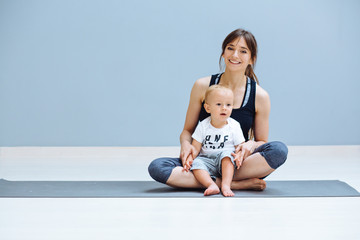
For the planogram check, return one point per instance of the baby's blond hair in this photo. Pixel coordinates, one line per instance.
(214, 88)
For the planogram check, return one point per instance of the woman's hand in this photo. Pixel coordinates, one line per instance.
(187, 150)
(244, 150)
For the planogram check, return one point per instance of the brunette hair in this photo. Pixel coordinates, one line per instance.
(252, 45)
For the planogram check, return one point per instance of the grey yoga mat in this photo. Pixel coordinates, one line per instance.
(151, 189)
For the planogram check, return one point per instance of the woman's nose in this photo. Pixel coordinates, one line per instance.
(236, 54)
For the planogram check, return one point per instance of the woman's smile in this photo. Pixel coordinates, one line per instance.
(234, 62)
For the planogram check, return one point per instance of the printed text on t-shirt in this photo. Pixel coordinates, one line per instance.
(213, 141)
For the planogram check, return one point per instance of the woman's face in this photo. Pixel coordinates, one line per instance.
(237, 55)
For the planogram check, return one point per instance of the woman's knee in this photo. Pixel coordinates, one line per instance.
(275, 153)
(160, 169)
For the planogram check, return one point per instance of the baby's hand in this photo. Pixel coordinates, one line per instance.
(188, 164)
(237, 159)
(186, 168)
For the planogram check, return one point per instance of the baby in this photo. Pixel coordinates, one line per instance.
(214, 139)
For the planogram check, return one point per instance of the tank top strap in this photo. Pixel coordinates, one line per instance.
(215, 79)
(248, 91)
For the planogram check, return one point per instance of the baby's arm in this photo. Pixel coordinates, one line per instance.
(197, 145)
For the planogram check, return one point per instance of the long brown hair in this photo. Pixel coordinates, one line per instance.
(252, 45)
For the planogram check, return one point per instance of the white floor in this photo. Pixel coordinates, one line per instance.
(230, 218)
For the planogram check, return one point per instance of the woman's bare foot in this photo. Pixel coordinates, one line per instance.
(212, 190)
(249, 184)
(246, 184)
(226, 191)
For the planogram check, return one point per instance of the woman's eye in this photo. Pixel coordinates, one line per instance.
(229, 48)
(243, 51)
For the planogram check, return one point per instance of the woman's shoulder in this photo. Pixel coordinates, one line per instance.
(203, 82)
(200, 87)
(261, 93)
(262, 98)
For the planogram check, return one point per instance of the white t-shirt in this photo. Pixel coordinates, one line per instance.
(215, 140)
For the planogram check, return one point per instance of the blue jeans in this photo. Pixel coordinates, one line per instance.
(275, 154)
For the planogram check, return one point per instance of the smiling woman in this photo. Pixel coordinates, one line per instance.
(251, 108)
(245, 47)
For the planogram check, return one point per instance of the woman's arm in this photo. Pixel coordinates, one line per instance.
(261, 125)
(262, 113)
(192, 117)
(197, 147)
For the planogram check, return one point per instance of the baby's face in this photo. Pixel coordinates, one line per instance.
(220, 104)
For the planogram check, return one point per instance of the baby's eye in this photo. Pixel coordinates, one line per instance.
(218, 104)
(229, 105)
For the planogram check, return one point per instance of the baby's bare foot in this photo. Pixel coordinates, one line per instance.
(212, 190)
(226, 191)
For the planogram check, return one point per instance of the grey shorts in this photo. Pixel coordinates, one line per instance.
(212, 164)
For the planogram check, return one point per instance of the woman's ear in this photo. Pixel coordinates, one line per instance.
(252, 61)
(207, 107)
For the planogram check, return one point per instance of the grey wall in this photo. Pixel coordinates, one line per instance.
(119, 73)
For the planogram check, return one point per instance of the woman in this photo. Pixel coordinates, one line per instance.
(251, 109)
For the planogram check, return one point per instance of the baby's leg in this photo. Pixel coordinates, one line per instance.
(227, 172)
(204, 178)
